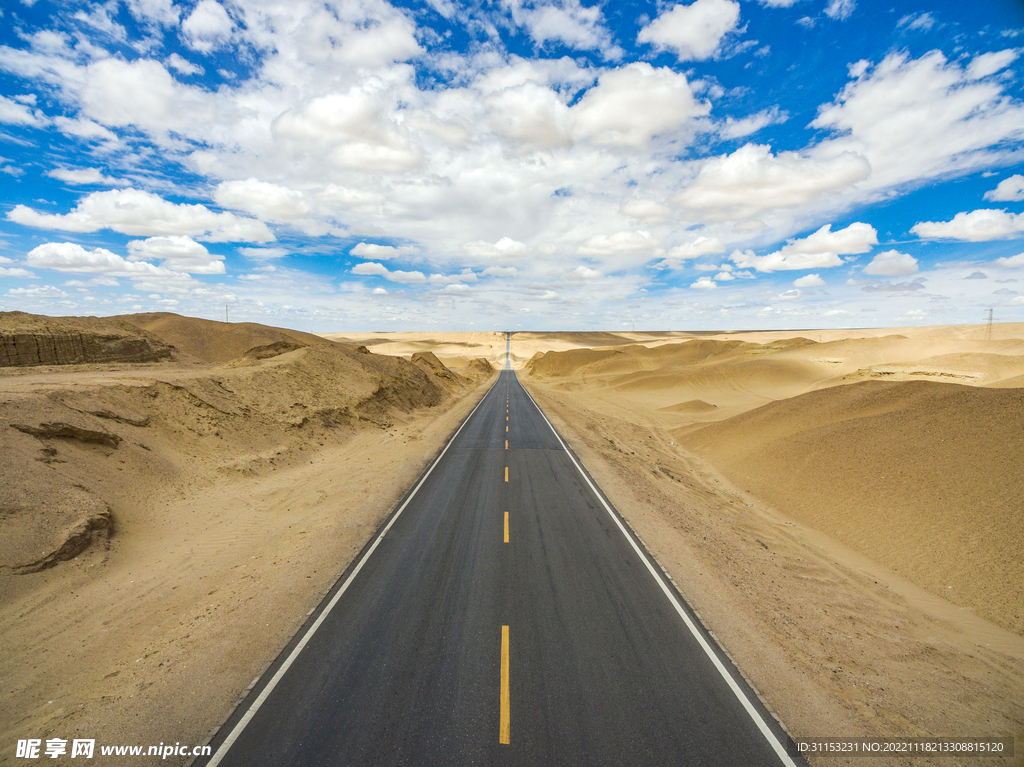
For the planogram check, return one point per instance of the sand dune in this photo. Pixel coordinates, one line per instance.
(213, 341)
(843, 507)
(923, 477)
(865, 439)
(196, 496)
(57, 442)
(744, 374)
(782, 478)
(455, 350)
(690, 406)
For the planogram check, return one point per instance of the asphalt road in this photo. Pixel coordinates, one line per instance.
(446, 645)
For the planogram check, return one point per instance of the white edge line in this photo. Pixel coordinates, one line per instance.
(265, 693)
(744, 700)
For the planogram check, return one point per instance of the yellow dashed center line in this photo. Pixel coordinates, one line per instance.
(506, 527)
(506, 444)
(504, 724)
(506, 473)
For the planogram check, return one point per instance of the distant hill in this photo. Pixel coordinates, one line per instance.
(214, 341)
(32, 339)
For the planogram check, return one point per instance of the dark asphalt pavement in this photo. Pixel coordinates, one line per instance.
(404, 666)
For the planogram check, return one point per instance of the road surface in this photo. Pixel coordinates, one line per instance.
(503, 617)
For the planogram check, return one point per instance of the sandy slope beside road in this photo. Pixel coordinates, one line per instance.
(837, 643)
(194, 600)
(237, 494)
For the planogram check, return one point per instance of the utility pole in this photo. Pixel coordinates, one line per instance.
(989, 324)
(226, 313)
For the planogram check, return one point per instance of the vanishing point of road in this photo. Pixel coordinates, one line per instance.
(504, 615)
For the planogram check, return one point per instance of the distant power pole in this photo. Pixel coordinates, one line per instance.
(989, 324)
(226, 313)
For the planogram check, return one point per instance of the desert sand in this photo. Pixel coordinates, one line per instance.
(456, 350)
(166, 527)
(845, 514)
(841, 507)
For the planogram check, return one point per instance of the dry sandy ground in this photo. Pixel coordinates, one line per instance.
(456, 350)
(845, 514)
(815, 499)
(166, 527)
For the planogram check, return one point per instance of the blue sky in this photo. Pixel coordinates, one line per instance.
(433, 164)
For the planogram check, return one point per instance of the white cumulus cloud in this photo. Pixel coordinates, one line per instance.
(405, 277)
(158, 12)
(646, 210)
(16, 271)
(565, 21)
(506, 247)
(353, 129)
(370, 268)
(694, 32)
(856, 238)
(809, 281)
(183, 65)
(73, 258)
(177, 253)
(43, 291)
(892, 263)
(582, 272)
(207, 27)
(840, 9)
(135, 212)
(1008, 190)
(13, 113)
(989, 63)
(370, 250)
(379, 270)
(778, 261)
(977, 226)
(916, 119)
(702, 246)
(816, 251)
(631, 105)
(261, 199)
(619, 242)
(80, 176)
(1011, 262)
(500, 271)
(752, 180)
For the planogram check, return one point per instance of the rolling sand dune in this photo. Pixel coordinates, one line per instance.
(875, 451)
(922, 477)
(166, 526)
(690, 406)
(846, 512)
(458, 351)
(842, 507)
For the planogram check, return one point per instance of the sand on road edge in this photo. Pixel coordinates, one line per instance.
(198, 598)
(829, 639)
